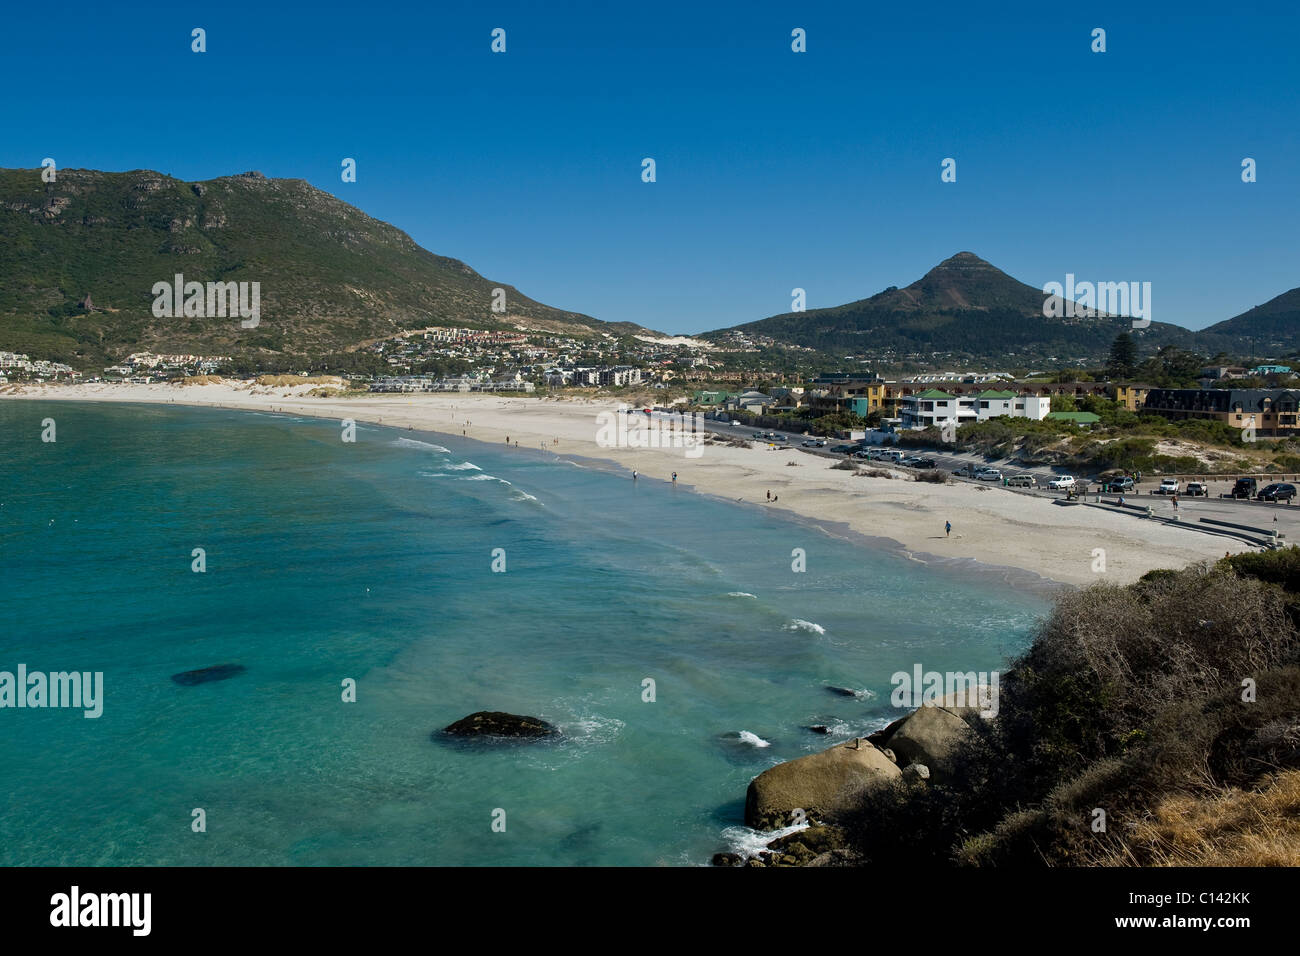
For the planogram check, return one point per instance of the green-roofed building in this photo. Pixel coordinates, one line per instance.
(709, 397)
(1082, 419)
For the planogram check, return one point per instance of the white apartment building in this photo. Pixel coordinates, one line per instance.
(935, 408)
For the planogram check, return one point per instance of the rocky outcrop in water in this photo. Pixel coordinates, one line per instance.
(495, 723)
(206, 675)
(819, 784)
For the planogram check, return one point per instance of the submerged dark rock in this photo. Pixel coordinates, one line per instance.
(820, 729)
(495, 723)
(206, 675)
(842, 691)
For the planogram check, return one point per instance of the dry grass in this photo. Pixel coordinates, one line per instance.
(202, 380)
(1228, 827)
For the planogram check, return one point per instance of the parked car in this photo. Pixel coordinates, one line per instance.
(735, 423)
(925, 463)
(863, 455)
(892, 455)
(1276, 492)
(910, 462)
(759, 436)
(1244, 488)
(1118, 485)
(966, 471)
(1168, 486)
(1061, 482)
(988, 474)
(1197, 489)
(843, 449)
(1022, 481)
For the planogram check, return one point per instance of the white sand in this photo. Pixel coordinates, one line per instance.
(995, 526)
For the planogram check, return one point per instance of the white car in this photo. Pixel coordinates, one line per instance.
(1169, 486)
(988, 474)
(1061, 482)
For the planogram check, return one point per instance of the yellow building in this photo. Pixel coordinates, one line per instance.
(1131, 397)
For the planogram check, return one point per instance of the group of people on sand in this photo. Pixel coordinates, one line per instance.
(772, 497)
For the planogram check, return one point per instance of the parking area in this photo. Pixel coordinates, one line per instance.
(1216, 504)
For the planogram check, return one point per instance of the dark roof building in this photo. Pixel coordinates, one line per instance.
(1270, 411)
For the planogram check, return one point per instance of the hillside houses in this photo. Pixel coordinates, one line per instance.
(16, 365)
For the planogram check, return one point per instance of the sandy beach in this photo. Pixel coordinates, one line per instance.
(991, 525)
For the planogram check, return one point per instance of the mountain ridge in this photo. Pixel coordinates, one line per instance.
(968, 309)
(330, 275)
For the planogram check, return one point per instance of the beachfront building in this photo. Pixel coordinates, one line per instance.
(1270, 411)
(23, 366)
(751, 401)
(858, 392)
(931, 408)
(1082, 419)
(620, 375)
(1131, 396)
(704, 397)
(936, 408)
(511, 383)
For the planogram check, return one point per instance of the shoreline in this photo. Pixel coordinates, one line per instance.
(1027, 542)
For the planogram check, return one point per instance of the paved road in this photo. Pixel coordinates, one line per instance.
(1257, 514)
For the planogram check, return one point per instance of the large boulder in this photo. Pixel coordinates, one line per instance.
(495, 723)
(820, 784)
(929, 735)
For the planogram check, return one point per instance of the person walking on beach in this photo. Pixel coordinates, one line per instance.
(1175, 502)
(634, 476)
(674, 477)
(947, 529)
(769, 494)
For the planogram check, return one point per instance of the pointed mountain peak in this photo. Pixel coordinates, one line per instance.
(964, 263)
(965, 281)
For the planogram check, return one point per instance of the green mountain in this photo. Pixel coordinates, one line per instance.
(962, 310)
(82, 254)
(1272, 328)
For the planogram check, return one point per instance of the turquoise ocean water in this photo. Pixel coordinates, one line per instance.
(373, 561)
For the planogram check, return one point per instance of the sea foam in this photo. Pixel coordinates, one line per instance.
(416, 443)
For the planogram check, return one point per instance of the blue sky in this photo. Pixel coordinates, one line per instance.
(819, 170)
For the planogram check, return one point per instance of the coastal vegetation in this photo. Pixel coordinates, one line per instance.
(1151, 724)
